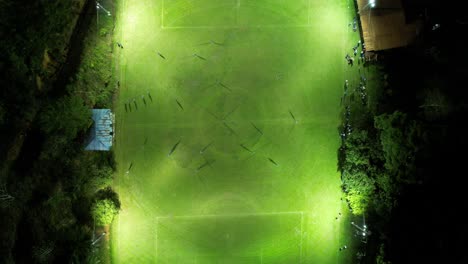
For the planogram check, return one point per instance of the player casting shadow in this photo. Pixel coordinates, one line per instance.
(174, 148)
(180, 105)
(160, 55)
(256, 128)
(293, 117)
(149, 96)
(272, 161)
(211, 42)
(200, 168)
(199, 57)
(224, 86)
(206, 147)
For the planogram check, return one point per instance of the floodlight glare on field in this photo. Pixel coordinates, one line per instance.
(228, 193)
(372, 3)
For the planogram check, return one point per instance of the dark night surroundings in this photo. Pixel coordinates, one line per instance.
(406, 156)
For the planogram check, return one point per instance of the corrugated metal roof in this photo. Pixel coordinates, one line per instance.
(102, 132)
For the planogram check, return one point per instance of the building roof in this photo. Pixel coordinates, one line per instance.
(101, 133)
(384, 26)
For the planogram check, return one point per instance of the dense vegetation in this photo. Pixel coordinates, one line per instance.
(399, 160)
(54, 68)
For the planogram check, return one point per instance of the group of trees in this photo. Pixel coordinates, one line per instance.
(380, 159)
(377, 160)
(52, 191)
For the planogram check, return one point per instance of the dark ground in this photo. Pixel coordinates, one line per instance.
(428, 224)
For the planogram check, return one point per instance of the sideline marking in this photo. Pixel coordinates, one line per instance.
(162, 14)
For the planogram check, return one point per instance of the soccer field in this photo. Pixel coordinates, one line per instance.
(227, 133)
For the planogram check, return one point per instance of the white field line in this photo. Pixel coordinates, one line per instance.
(237, 27)
(231, 215)
(302, 235)
(162, 13)
(238, 5)
(157, 237)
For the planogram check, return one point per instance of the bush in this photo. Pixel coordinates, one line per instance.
(360, 189)
(106, 206)
(104, 211)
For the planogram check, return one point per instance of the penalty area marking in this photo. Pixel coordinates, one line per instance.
(290, 213)
(238, 4)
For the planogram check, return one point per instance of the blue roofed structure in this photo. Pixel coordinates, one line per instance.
(101, 133)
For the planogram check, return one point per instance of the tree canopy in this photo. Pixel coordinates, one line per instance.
(67, 117)
(105, 207)
(400, 138)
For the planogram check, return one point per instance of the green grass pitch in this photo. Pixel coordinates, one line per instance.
(227, 118)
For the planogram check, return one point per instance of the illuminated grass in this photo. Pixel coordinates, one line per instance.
(257, 64)
(235, 237)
